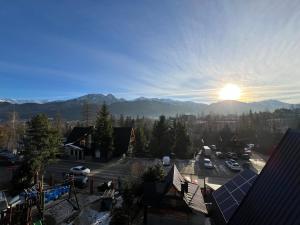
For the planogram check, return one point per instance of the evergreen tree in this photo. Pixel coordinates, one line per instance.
(140, 141)
(41, 145)
(121, 121)
(103, 136)
(181, 140)
(160, 143)
(129, 122)
(153, 174)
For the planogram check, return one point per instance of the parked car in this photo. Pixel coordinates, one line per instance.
(208, 164)
(206, 151)
(231, 155)
(166, 161)
(213, 147)
(245, 156)
(250, 146)
(220, 155)
(247, 151)
(234, 156)
(80, 170)
(233, 165)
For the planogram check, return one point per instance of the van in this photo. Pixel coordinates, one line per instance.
(166, 161)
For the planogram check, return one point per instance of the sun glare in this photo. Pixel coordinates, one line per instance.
(230, 92)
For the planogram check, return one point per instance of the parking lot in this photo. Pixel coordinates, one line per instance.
(219, 170)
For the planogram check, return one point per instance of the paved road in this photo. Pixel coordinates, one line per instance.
(130, 168)
(102, 172)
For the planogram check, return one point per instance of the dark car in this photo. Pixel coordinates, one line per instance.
(229, 154)
(234, 156)
(245, 156)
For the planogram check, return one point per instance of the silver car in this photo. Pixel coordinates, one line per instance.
(80, 170)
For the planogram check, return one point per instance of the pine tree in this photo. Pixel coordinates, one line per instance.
(140, 141)
(121, 121)
(181, 140)
(41, 145)
(160, 143)
(103, 136)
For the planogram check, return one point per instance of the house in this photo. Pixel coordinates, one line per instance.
(274, 197)
(228, 197)
(123, 140)
(79, 142)
(80, 145)
(174, 201)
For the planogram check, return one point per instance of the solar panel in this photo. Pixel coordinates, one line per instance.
(230, 186)
(238, 195)
(238, 180)
(229, 212)
(230, 195)
(245, 187)
(223, 196)
(227, 203)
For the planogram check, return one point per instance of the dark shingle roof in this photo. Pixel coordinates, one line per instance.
(121, 139)
(274, 198)
(78, 133)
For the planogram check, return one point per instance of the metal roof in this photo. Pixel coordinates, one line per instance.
(274, 198)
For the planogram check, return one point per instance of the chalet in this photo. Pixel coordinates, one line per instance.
(174, 201)
(80, 143)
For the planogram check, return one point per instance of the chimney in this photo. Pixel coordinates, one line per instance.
(184, 187)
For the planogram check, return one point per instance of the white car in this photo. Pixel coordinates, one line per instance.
(80, 170)
(208, 164)
(233, 165)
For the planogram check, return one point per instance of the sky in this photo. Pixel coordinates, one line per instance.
(184, 50)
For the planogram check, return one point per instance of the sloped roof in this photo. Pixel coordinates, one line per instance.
(275, 195)
(231, 194)
(78, 133)
(121, 139)
(193, 197)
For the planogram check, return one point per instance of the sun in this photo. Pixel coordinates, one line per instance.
(230, 92)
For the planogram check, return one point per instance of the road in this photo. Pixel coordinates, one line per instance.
(133, 167)
(102, 172)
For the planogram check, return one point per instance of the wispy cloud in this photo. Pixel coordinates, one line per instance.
(180, 49)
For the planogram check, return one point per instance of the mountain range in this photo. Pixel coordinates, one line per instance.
(72, 109)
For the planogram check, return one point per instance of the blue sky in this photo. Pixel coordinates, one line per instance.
(185, 50)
